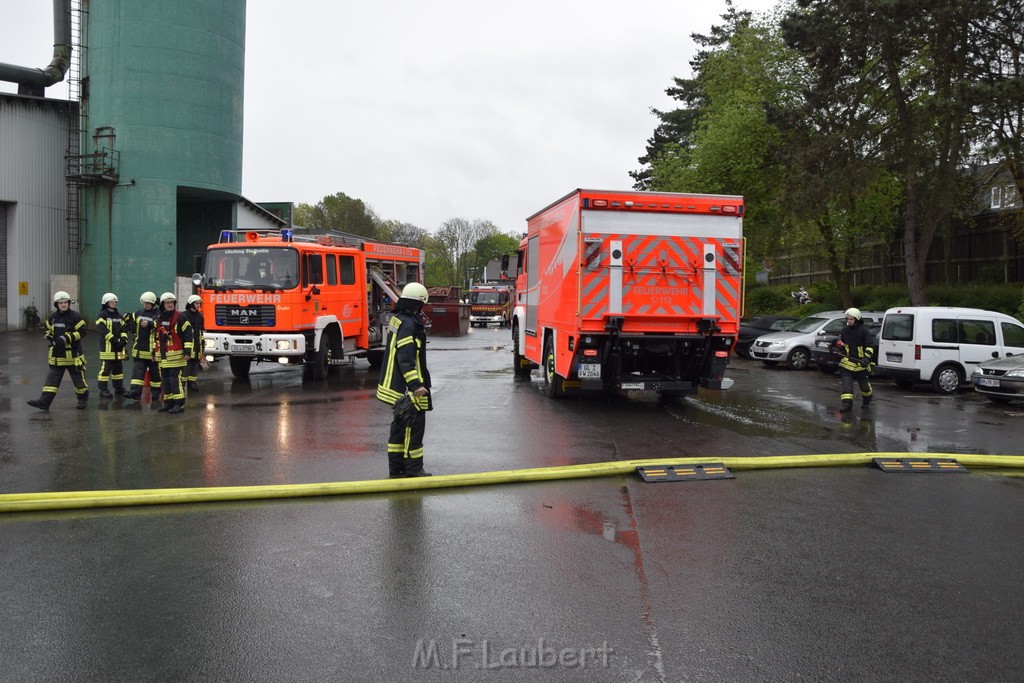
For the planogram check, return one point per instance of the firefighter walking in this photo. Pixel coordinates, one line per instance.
(64, 329)
(855, 345)
(143, 326)
(405, 372)
(111, 325)
(174, 344)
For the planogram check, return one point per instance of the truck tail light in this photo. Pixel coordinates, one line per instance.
(590, 353)
(721, 354)
(917, 352)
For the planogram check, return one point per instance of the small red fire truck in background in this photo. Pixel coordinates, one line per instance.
(291, 299)
(491, 303)
(630, 290)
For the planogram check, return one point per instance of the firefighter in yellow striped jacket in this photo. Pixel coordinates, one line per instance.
(143, 325)
(64, 328)
(406, 372)
(111, 325)
(194, 311)
(173, 349)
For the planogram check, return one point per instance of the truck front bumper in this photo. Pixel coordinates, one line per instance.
(256, 345)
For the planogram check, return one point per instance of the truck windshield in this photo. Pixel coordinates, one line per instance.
(484, 298)
(252, 267)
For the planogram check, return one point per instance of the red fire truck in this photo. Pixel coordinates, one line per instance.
(490, 303)
(291, 299)
(630, 290)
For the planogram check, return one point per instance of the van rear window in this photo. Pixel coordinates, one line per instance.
(898, 327)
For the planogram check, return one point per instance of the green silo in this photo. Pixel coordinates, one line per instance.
(162, 86)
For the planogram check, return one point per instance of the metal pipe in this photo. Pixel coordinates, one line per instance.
(34, 81)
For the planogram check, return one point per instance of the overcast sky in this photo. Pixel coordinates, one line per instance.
(435, 110)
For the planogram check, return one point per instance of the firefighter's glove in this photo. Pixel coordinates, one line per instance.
(68, 339)
(405, 411)
(58, 346)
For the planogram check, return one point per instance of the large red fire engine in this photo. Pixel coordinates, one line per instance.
(630, 290)
(294, 299)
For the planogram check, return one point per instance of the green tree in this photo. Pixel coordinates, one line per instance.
(402, 233)
(451, 250)
(913, 55)
(338, 212)
(729, 151)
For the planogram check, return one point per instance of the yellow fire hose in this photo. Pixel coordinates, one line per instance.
(66, 500)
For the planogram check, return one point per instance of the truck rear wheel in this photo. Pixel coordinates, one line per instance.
(553, 383)
(240, 366)
(520, 366)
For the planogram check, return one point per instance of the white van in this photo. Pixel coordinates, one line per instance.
(943, 345)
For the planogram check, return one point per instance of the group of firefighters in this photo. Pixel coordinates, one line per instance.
(161, 341)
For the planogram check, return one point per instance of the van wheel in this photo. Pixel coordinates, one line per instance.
(239, 366)
(948, 378)
(552, 382)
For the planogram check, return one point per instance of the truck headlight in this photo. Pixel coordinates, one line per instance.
(284, 345)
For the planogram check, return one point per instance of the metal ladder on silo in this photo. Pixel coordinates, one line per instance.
(76, 120)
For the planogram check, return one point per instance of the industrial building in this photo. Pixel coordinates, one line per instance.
(121, 186)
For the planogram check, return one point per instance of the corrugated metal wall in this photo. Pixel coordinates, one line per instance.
(33, 137)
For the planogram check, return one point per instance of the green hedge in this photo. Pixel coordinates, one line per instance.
(768, 299)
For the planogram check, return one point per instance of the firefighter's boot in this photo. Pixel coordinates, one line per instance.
(193, 387)
(396, 465)
(43, 402)
(177, 407)
(118, 387)
(104, 391)
(846, 407)
(865, 402)
(418, 473)
(83, 400)
(166, 407)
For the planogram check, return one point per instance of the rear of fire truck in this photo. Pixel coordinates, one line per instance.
(630, 290)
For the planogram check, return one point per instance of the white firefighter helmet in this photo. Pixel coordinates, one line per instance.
(852, 313)
(168, 296)
(194, 299)
(147, 298)
(416, 291)
(108, 297)
(61, 296)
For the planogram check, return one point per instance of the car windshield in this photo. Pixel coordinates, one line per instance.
(252, 267)
(808, 324)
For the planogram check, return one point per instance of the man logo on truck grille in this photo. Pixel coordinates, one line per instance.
(244, 311)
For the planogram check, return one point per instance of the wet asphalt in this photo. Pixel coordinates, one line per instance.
(823, 573)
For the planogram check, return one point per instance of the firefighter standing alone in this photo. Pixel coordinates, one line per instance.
(856, 346)
(64, 328)
(174, 349)
(112, 326)
(405, 371)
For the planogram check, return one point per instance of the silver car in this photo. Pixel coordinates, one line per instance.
(793, 346)
(1000, 379)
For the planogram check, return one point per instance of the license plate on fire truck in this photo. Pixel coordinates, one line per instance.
(590, 371)
(243, 348)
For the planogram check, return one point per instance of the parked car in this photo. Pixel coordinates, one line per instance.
(1000, 379)
(943, 345)
(827, 359)
(755, 327)
(794, 345)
